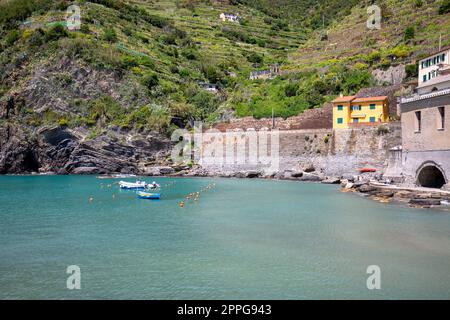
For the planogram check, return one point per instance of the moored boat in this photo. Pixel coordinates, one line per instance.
(149, 196)
(133, 185)
(367, 170)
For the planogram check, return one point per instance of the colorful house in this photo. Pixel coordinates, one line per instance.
(351, 111)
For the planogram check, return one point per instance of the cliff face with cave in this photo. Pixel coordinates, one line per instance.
(64, 151)
(59, 89)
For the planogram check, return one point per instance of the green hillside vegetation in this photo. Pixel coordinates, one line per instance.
(170, 47)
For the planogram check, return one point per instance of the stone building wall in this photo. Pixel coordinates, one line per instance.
(330, 152)
(431, 145)
(431, 136)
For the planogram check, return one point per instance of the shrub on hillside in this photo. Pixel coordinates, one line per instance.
(151, 117)
(55, 33)
(37, 38)
(278, 25)
(150, 80)
(211, 72)
(411, 70)
(13, 11)
(445, 7)
(110, 35)
(206, 103)
(12, 37)
(106, 109)
(156, 21)
(255, 58)
(290, 90)
(409, 33)
(355, 80)
(238, 35)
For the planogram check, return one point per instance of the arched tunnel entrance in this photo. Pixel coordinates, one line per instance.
(431, 176)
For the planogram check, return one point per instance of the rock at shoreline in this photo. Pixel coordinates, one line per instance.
(386, 194)
(348, 177)
(89, 170)
(331, 180)
(252, 174)
(349, 185)
(297, 174)
(310, 177)
(309, 168)
(166, 170)
(403, 194)
(366, 188)
(425, 202)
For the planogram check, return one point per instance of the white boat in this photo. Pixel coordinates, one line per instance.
(153, 186)
(133, 185)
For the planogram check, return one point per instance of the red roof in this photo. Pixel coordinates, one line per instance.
(369, 99)
(343, 99)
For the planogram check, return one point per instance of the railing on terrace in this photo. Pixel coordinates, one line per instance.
(433, 94)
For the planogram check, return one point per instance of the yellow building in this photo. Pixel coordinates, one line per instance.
(351, 111)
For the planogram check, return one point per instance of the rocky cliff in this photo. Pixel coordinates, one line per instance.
(44, 122)
(72, 151)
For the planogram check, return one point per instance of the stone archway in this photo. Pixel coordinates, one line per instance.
(430, 175)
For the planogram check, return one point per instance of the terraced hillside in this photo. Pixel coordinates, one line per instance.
(157, 56)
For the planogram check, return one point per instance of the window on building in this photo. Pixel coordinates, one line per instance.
(356, 108)
(424, 78)
(340, 108)
(356, 120)
(372, 106)
(340, 121)
(372, 119)
(441, 118)
(418, 124)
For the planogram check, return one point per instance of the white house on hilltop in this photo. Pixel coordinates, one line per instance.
(229, 17)
(434, 72)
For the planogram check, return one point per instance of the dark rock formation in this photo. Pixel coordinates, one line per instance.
(425, 202)
(310, 177)
(65, 151)
(331, 180)
(366, 188)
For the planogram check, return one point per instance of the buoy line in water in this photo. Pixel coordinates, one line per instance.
(195, 196)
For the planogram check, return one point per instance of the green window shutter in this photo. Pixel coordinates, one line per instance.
(340, 108)
(340, 120)
(372, 119)
(372, 107)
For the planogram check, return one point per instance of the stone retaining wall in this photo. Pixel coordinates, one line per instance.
(330, 152)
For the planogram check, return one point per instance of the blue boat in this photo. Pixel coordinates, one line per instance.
(149, 196)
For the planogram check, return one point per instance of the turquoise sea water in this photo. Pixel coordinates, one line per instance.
(244, 239)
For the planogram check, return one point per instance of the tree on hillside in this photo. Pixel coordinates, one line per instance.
(445, 7)
(409, 33)
(110, 35)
